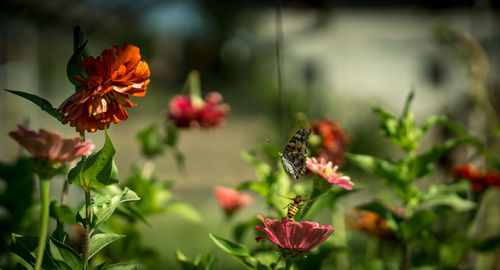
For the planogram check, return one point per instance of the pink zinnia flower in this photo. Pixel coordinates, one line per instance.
(329, 172)
(293, 236)
(231, 200)
(333, 141)
(51, 146)
(189, 111)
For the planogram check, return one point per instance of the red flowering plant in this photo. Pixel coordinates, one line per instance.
(50, 152)
(105, 88)
(480, 179)
(104, 85)
(332, 142)
(294, 239)
(187, 111)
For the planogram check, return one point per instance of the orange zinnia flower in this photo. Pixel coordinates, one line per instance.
(102, 98)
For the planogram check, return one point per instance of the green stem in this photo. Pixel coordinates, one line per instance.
(288, 264)
(406, 262)
(44, 220)
(277, 262)
(87, 232)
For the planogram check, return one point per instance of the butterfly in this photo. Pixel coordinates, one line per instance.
(293, 157)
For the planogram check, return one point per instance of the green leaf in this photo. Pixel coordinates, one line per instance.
(65, 254)
(120, 266)
(99, 166)
(327, 199)
(403, 131)
(172, 135)
(75, 66)
(103, 206)
(207, 262)
(184, 210)
(421, 165)
(413, 226)
(59, 233)
(446, 195)
(262, 169)
(99, 241)
(261, 188)
(24, 247)
(150, 141)
(388, 171)
(237, 251)
(62, 212)
(40, 102)
(487, 244)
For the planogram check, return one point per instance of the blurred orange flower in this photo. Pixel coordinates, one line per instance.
(112, 77)
(371, 223)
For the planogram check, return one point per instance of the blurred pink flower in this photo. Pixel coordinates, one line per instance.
(329, 172)
(294, 236)
(181, 111)
(189, 111)
(231, 200)
(51, 146)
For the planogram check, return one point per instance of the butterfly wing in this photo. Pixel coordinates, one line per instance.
(294, 154)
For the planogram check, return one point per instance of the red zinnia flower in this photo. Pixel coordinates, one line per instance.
(329, 172)
(231, 200)
(188, 111)
(333, 141)
(103, 96)
(51, 146)
(293, 237)
(480, 179)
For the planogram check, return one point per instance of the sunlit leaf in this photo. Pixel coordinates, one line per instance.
(64, 253)
(237, 251)
(40, 102)
(99, 241)
(99, 166)
(103, 206)
(120, 266)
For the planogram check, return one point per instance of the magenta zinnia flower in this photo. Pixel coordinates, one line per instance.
(231, 200)
(292, 236)
(329, 172)
(51, 146)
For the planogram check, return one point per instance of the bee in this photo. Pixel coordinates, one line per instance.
(293, 157)
(296, 205)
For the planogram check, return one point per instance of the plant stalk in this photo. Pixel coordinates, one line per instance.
(86, 239)
(406, 263)
(44, 220)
